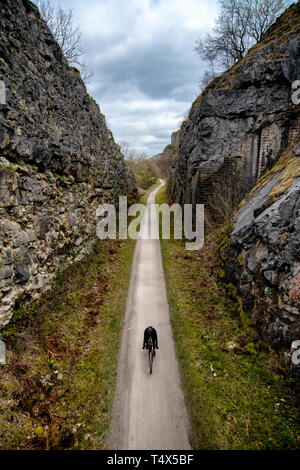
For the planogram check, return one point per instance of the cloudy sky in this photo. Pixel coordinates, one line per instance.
(146, 72)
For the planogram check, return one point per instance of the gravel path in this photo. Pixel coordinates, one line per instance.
(149, 410)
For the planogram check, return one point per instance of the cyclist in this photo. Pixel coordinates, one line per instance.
(150, 331)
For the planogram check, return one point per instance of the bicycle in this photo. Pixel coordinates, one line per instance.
(151, 352)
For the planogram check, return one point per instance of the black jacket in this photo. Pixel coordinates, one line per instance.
(150, 331)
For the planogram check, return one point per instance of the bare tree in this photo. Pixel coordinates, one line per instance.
(127, 150)
(240, 24)
(229, 39)
(66, 33)
(223, 202)
(85, 72)
(232, 26)
(263, 14)
(206, 78)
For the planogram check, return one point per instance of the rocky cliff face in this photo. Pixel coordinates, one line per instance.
(244, 119)
(58, 159)
(164, 159)
(242, 125)
(264, 255)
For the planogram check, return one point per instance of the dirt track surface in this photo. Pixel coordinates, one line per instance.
(149, 410)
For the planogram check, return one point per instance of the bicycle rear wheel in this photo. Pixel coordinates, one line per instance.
(150, 361)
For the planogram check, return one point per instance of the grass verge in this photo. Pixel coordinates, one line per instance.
(145, 194)
(238, 393)
(58, 384)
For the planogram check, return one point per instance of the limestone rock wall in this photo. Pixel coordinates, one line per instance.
(164, 160)
(244, 119)
(243, 124)
(58, 159)
(264, 255)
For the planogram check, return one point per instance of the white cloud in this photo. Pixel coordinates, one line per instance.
(146, 72)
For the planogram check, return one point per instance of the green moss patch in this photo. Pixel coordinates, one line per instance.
(290, 173)
(289, 165)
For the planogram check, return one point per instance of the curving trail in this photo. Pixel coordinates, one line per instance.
(149, 410)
